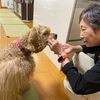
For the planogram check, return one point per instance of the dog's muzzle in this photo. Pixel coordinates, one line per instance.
(54, 35)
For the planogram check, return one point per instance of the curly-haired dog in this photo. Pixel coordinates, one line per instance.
(17, 64)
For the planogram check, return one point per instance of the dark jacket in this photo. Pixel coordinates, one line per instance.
(89, 82)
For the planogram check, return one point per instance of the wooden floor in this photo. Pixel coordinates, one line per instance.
(48, 80)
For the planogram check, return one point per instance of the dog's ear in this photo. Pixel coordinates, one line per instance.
(32, 34)
(32, 38)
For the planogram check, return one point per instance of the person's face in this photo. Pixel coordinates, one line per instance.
(88, 36)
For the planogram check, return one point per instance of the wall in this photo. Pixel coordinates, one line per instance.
(57, 14)
(7, 3)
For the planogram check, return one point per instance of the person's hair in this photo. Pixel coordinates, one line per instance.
(91, 15)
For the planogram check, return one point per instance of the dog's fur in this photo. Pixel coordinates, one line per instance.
(17, 64)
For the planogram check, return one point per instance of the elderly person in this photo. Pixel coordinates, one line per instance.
(89, 82)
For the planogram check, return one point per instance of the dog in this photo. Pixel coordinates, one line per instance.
(17, 63)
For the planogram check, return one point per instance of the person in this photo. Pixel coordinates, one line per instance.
(89, 82)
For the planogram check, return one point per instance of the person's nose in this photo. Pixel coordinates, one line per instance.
(81, 35)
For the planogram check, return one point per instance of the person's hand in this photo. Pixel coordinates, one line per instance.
(59, 49)
(67, 48)
(55, 46)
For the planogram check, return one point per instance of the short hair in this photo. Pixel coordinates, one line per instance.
(91, 15)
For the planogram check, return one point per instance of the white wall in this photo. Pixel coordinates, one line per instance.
(57, 14)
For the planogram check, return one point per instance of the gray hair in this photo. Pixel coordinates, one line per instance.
(91, 15)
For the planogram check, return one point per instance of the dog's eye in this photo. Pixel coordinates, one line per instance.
(46, 33)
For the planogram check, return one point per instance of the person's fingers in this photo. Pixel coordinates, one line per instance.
(55, 46)
(49, 42)
(50, 45)
(52, 42)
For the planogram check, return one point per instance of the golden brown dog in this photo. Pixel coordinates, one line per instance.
(17, 64)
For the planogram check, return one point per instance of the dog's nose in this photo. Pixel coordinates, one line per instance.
(55, 36)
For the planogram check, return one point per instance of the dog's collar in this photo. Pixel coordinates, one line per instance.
(19, 45)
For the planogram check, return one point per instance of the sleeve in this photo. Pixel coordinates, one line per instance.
(89, 49)
(83, 84)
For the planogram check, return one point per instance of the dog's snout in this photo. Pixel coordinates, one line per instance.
(55, 36)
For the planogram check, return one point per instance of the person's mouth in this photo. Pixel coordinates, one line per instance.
(84, 41)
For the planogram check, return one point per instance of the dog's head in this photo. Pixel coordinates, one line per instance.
(38, 38)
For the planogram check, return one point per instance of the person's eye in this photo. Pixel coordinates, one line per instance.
(83, 29)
